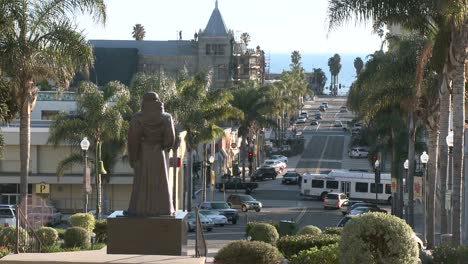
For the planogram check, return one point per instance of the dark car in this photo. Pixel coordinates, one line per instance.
(347, 205)
(291, 177)
(244, 202)
(223, 209)
(264, 173)
(361, 204)
(314, 123)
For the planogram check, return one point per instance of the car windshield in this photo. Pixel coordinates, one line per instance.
(289, 174)
(332, 196)
(208, 212)
(269, 162)
(247, 198)
(219, 206)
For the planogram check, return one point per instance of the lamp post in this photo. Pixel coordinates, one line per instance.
(424, 159)
(377, 180)
(85, 146)
(406, 166)
(212, 177)
(449, 183)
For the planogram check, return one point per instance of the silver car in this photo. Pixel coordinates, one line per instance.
(215, 216)
(7, 215)
(205, 222)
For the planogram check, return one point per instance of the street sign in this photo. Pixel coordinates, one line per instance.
(42, 188)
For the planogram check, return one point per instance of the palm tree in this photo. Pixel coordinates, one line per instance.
(358, 64)
(40, 41)
(245, 38)
(100, 121)
(138, 32)
(335, 67)
(319, 79)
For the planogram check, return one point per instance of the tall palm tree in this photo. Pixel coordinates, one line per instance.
(245, 38)
(334, 63)
(319, 79)
(99, 120)
(138, 32)
(39, 41)
(358, 65)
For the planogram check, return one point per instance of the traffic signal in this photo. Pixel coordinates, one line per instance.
(250, 156)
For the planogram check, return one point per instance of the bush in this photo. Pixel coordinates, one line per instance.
(446, 253)
(61, 233)
(77, 237)
(8, 237)
(333, 230)
(264, 232)
(47, 235)
(247, 252)
(310, 229)
(84, 220)
(4, 251)
(324, 255)
(253, 223)
(292, 245)
(100, 229)
(378, 238)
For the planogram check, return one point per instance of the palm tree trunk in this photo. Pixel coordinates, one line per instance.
(432, 181)
(458, 149)
(25, 150)
(203, 182)
(97, 172)
(396, 204)
(443, 150)
(410, 185)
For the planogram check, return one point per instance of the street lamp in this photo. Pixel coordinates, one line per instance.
(211, 160)
(405, 190)
(377, 180)
(424, 160)
(449, 183)
(85, 146)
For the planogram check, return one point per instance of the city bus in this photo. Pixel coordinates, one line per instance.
(357, 185)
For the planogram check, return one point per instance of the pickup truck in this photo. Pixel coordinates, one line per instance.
(236, 184)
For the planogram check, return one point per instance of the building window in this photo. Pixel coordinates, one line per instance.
(221, 49)
(48, 115)
(379, 188)
(361, 187)
(317, 183)
(208, 49)
(332, 184)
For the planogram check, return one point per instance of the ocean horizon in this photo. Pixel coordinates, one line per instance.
(279, 62)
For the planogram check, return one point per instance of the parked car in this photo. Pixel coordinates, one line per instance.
(314, 123)
(44, 215)
(334, 200)
(263, 173)
(206, 223)
(7, 215)
(116, 214)
(324, 104)
(236, 184)
(359, 152)
(304, 114)
(356, 129)
(301, 120)
(343, 109)
(280, 158)
(338, 123)
(346, 208)
(214, 216)
(322, 108)
(278, 165)
(349, 207)
(364, 209)
(222, 208)
(291, 177)
(318, 115)
(343, 221)
(244, 202)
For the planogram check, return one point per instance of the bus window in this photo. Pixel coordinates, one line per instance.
(317, 183)
(361, 186)
(388, 188)
(379, 190)
(332, 184)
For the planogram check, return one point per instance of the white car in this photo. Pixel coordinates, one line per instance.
(280, 158)
(338, 123)
(116, 214)
(215, 217)
(277, 164)
(301, 120)
(7, 215)
(359, 152)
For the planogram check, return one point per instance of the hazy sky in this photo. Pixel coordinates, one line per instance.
(275, 25)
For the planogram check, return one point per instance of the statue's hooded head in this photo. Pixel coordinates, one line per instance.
(151, 103)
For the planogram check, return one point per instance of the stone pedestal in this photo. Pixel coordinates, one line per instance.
(164, 235)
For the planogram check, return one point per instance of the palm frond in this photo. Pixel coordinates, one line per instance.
(67, 163)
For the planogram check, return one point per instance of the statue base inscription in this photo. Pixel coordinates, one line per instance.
(162, 235)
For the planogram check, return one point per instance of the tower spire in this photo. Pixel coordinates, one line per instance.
(216, 4)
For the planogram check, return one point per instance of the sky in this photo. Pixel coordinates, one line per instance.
(277, 26)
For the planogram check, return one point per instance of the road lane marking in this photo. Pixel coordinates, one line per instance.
(301, 215)
(317, 170)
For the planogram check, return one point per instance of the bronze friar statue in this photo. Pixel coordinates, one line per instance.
(150, 134)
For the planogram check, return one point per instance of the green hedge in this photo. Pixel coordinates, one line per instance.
(100, 229)
(77, 237)
(47, 235)
(333, 230)
(309, 229)
(324, 255)
(447, 254)
(253, 223)
(8, 238)
(263, 232)
(248, 252)
(292, 245)
(84, 220)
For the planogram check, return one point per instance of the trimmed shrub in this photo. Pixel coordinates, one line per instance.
(61, 233)
(4, 251)
(333, 230)
(324, 255)
(77, 237)
(8, 237)
(309, 229)
(446, 253)
(247, 252)
(264, 232)
(84, 220)
(253, 223)
(100, 229)
(47, 235)
(292, 245)
(378, 238)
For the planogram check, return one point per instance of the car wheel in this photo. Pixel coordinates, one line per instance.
(257, 210)
(234, 221)
(244, 208)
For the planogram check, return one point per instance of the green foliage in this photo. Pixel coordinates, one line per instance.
(264, 232)
(47, 235)
(77, 237)
(61, 248)
(248, 252)
(292, 245)
(309, 229)
(333, 230)
(61, 232)
(100, 229)
(447, 254)
(8, 237)
(324, 255)
(4, 251)
(84, 220)
(253, 223)
(378, 238)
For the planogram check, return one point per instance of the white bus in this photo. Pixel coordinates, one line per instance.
(356, 184)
